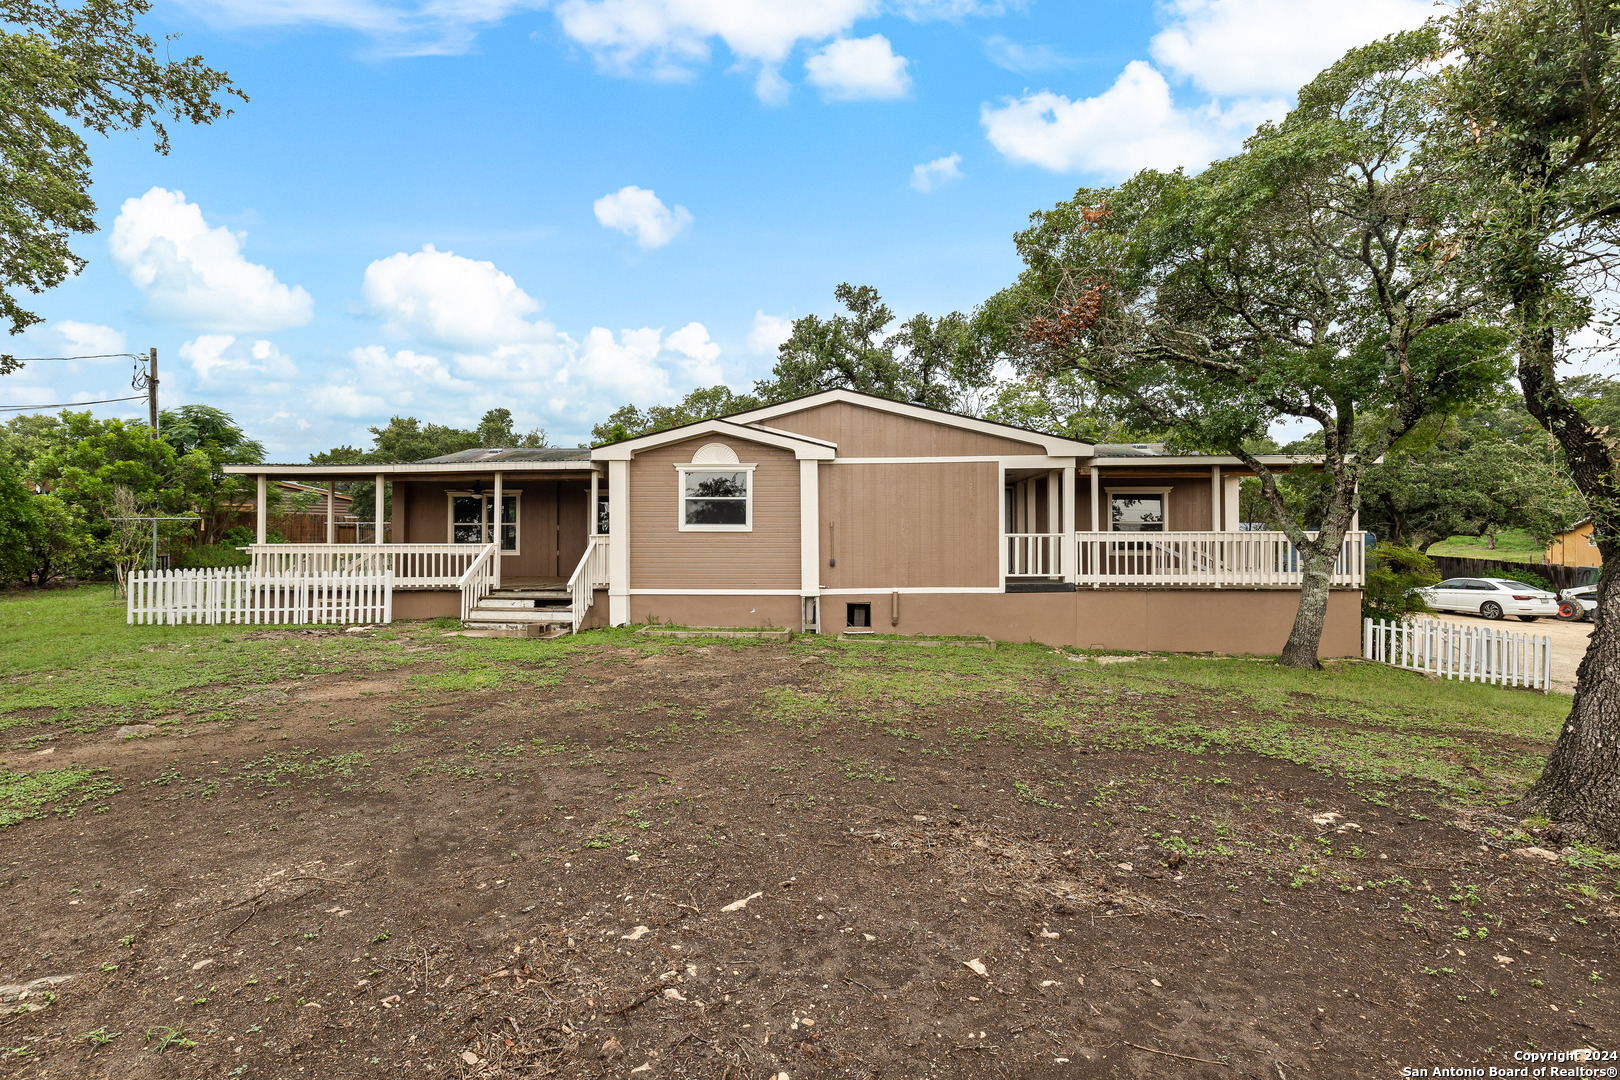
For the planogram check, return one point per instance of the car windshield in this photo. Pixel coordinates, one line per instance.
(1521, 585)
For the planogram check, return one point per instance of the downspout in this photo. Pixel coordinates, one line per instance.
(894, 609)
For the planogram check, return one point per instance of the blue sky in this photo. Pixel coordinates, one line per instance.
(433, 208)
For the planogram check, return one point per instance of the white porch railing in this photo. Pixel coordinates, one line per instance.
(480, 579)
(1460, 651)
(1034, 554)
(1205, 559)
(237, 595)
(414, 566)
(591, 573)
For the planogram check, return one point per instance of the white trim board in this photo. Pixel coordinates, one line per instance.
(715, 592)
(913, 590)
(1014, 461)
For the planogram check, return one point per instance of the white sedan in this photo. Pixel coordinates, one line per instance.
(1491, 598)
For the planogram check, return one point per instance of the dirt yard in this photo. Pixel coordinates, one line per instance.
(395, 853)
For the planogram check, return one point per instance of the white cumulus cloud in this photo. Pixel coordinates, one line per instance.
(1134, 124)
(398, 27)
(669, 37)
(931, 174)
(1271, 47)
(768, 333)
(88, 339)
(212, 356)
(640, 213)
(448, 299)
(859, 69)
(197, 275)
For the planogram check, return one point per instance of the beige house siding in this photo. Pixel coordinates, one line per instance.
(552, 525)
(865, 432)
(1188, 507)
(911, 526)
(663, 557)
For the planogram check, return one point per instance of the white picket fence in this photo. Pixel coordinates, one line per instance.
(1461, 651)
(238, 595)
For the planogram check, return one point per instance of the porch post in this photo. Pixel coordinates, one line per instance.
(596, 497)
(1214, 498)
(809, 536)
(331, 505)
(1068, 559)
(261, 506)
(378, 520)
(500, 535)
(1232, 485)
(619, 543)
(1096, 482)
(1054, 493)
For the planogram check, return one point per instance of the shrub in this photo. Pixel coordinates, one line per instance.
(1393, 581)
(209, 556)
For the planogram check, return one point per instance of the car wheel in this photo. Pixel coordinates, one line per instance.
(1528, 618)
(1491, 610)
(1570, 611)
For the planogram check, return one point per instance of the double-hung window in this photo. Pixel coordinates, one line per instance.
(1136, 511)
(472, 519)
(716, 499)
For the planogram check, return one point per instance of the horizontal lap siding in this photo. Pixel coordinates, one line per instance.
(663, 557)
(911, 526)
(865, 432)
(426, 508)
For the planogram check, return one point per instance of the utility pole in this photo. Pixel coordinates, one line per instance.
(151, 401)
(148, 380)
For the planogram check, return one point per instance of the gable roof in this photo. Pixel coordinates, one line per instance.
(1055, 445)
(802, 445)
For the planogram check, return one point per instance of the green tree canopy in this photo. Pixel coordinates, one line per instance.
(704, 403)
(1307, 278)
(71, 69)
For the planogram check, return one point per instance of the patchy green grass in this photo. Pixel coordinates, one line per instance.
(1512, 545)
(68, 658)
(69, 663)
(62, 791)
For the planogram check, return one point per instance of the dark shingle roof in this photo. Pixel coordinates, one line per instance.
(518, 454)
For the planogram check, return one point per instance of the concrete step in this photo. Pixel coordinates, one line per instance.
(532, 594)
(483, 616)
(491, 602)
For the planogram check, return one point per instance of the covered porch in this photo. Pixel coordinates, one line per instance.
(501, 537)
(1133, 518)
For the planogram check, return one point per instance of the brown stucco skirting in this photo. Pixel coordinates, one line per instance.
(427, 604)
(1155, 620)
(728, 611)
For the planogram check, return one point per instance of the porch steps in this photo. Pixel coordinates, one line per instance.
(522, 611)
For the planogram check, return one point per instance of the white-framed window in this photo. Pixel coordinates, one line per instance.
(1138, 509)
(714, 498)
(472, 519)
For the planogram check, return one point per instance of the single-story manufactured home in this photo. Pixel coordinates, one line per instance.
(833, 513)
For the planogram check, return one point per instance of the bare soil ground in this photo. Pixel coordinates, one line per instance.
(614, 858)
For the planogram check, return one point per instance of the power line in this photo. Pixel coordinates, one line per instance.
(64, 359)
(70, 404)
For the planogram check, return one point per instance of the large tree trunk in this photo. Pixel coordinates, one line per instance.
(1305, 639)
(1580, 787)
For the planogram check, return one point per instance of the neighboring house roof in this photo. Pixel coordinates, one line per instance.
(1572, 528)
(524, 453)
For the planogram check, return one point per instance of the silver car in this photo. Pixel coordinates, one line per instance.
(1492, 598)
